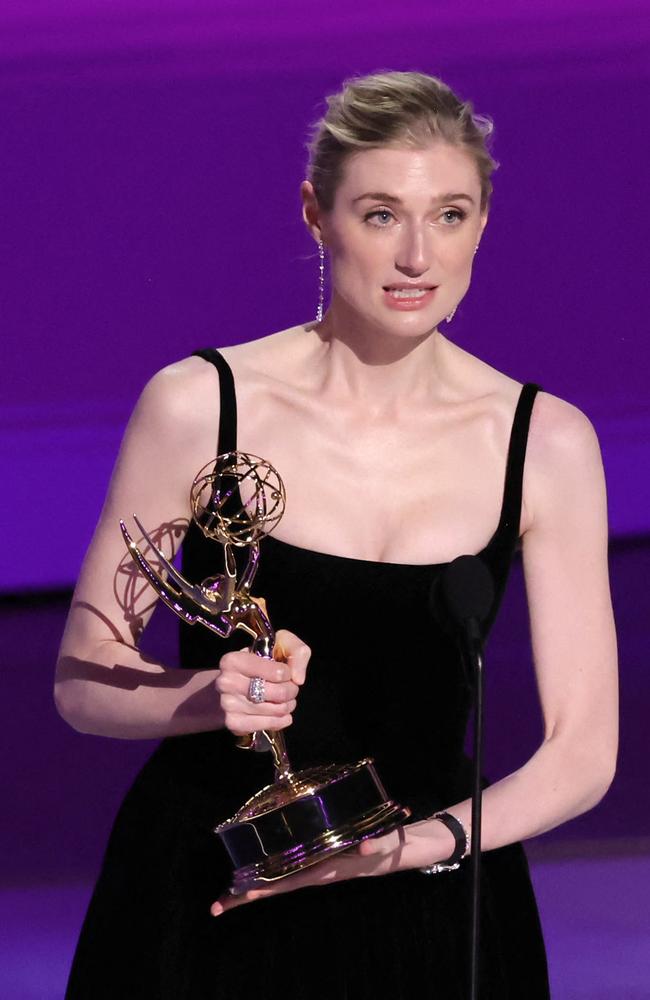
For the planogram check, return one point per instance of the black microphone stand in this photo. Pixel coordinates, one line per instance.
(463, 598)
(473, 655)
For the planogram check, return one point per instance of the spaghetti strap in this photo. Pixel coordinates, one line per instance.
(514, 475)
(228, 406)
(200, 560)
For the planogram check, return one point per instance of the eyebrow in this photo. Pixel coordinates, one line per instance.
(383, 196)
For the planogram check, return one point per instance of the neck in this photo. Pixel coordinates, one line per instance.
(368, 365)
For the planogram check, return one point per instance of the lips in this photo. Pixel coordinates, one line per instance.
(405, 287)
(403, 296)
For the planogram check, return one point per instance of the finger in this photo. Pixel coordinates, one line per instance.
(230, 902)
(250, 665)
(386, 844)
(309, 876)
(288, 883)
(237, 704)
(294, 651)
(241, 724)
(367, 848)
(345, 864)
(230, 682)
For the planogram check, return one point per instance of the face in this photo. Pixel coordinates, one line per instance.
(401, 235)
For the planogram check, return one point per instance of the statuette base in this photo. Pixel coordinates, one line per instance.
(303, 819)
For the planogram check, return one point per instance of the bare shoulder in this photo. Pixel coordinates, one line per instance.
(182, 391)
(180, 404)
(560, 434)
(563, 470)
(564, 480)
(176, 419)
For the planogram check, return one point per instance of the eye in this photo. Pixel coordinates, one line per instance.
(457, 212)
(382, 215)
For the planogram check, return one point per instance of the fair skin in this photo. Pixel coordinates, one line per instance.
(372, 380)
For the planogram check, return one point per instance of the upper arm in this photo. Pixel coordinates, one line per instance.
(171, 434)
(567, 581)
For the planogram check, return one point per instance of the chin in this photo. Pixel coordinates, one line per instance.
(392, 323)
(410, 325)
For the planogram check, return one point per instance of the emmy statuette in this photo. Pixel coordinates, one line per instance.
(305, 816)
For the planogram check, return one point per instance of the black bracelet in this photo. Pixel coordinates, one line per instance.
(461, 847)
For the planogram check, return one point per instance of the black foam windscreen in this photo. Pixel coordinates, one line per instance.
(463, 592)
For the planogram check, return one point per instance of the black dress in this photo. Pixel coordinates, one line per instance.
(148, 932)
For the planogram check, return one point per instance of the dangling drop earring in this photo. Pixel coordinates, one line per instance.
(453, 311)
(321, 281)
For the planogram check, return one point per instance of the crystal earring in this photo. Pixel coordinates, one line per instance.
(453, 311)
(321, 281)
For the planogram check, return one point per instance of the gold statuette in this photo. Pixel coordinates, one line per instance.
(304, 816)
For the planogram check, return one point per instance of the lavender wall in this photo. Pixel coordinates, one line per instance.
(150, 164)
(150, 157)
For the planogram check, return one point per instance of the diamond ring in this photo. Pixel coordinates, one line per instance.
(256, 690)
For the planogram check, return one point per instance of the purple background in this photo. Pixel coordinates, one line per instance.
(149, 166)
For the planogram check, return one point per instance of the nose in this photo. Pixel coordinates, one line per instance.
(413, 256)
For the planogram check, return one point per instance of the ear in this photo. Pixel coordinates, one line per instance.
(311, 212)
(483, 223)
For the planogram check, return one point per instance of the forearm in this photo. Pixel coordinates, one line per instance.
(112, 690)
(559, 782)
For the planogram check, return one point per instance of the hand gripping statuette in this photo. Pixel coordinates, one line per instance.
(304, 816)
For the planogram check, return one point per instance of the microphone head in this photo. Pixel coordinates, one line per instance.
(463, 592)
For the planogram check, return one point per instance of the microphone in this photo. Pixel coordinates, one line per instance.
(462, 595)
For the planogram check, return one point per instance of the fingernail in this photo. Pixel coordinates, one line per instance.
(216, 909)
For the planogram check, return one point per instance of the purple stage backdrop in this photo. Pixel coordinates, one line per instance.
(150, 161)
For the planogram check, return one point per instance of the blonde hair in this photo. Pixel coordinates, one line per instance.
(394, 107)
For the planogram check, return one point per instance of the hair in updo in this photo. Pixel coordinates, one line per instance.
(386, 108)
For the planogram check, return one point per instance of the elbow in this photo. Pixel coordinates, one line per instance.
(66, 705)
(594, 793)
(607, 763)
(584, 771)
(585, 760)
(596, 779)
(69, 701)
(604, 780)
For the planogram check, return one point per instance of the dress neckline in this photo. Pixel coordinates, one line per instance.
(374, 563)
(510, 512)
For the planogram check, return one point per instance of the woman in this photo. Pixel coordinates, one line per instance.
(399, 452)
